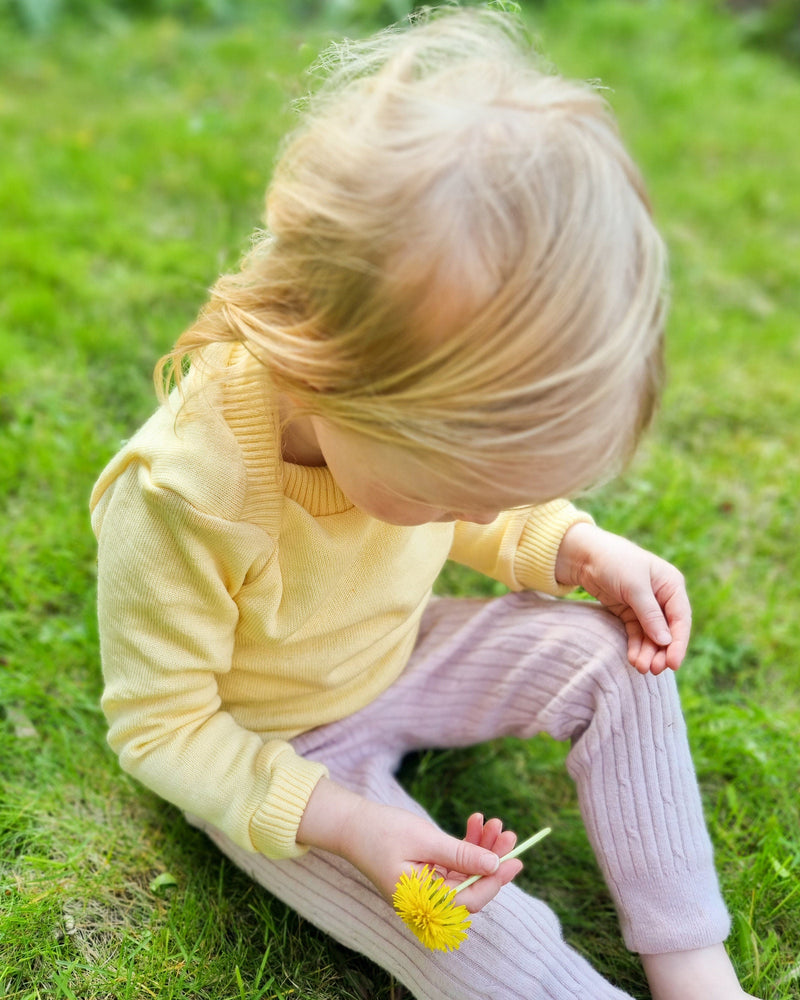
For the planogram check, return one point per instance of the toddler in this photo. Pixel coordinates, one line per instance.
(452, 322)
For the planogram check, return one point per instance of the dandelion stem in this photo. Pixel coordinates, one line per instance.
(519, 849)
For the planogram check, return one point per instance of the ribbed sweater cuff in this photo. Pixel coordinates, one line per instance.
(535, 561)
(273, 828)
(670, 913)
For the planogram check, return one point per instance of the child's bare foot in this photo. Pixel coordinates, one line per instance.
(700, 974)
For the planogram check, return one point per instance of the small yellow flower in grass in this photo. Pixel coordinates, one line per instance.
(426, 906)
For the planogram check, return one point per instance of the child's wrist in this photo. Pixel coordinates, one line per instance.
(573, 552)
(328, 818)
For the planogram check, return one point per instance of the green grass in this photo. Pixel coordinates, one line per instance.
(134, 161)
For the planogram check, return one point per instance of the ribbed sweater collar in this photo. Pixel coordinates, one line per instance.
(314, 488)
(251, 412)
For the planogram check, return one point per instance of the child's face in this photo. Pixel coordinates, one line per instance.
(395, 486)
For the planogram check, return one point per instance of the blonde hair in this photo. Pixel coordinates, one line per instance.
(459, 260)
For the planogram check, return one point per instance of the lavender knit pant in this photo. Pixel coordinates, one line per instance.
(521, 665)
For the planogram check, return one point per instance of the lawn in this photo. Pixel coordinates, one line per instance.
(134, 157)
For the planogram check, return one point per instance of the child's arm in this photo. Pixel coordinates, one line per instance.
(383, 842)
(645, 592)
(520, 547)
(167, 579)
(554, 548)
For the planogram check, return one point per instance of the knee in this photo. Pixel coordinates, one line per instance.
(630, 705)
(596, 642)
(604, 683)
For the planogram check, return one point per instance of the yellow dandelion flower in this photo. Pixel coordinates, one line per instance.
(426, 905)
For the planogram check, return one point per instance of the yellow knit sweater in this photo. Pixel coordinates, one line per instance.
(243, 600)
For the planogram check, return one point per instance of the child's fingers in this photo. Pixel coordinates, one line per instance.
(639, 646)
(503, 843)
(674, 655)
(679, 615)
(492, 829)
(475, 827)
(485, 889)
(634, 646)
(676, 651)
(489, 834)
(646, 655)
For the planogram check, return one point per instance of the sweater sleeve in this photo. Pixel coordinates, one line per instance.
(520, 547)
(168, 576)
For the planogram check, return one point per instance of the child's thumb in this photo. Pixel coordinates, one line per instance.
(651, 617)
(469, 859)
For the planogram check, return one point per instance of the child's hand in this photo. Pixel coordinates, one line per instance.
(384, 841)
(392, 841)
(647, 593)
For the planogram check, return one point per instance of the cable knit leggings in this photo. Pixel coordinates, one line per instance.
(520, 665)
